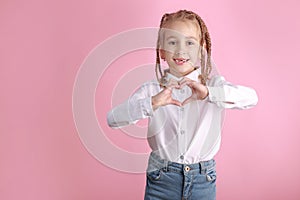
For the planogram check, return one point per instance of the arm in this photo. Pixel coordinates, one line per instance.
(227, 95)
(136, 107)
(142, 104)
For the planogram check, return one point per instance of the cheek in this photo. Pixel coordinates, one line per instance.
(169, 54)
(194, 55)
(169, 49)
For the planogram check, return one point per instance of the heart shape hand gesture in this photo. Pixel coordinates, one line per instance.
(199, 92)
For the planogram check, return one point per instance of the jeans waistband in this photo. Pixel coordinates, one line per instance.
(157, 163)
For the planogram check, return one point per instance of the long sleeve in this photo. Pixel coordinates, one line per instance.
(227, 95)
(137, 107)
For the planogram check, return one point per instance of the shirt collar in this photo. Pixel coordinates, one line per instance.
(193, 75)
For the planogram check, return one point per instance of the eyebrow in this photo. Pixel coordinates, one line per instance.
(190, 37)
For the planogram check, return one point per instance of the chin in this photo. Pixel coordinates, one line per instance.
(186, 72)
(181, 70)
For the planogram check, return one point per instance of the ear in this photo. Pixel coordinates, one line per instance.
(162, 54)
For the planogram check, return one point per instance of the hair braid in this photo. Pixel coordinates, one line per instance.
(158, 65)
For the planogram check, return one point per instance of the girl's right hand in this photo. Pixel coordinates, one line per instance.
(165, 96)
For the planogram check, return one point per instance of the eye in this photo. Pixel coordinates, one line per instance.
(172, 42)
(190, 43)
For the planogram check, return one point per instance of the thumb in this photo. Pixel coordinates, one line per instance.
(175, 102)
(188, 100)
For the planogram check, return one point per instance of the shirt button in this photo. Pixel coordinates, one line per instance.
(182, 131)
(181, 157)
(181, 109)
(182, 91)
(213, 98)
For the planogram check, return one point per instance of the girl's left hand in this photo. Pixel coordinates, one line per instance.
(199, 91)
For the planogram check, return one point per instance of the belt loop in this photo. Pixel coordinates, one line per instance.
(202, 168)
(166, 165)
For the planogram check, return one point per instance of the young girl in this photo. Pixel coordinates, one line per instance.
(185, 108)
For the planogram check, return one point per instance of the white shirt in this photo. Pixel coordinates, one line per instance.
(187, 134)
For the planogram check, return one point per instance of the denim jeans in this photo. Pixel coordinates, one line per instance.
(174, 181)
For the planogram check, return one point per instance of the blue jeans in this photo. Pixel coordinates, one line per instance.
(174, 181)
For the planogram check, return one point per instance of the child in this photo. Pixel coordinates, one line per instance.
(185, 108)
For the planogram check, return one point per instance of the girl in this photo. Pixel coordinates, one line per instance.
(185, 108)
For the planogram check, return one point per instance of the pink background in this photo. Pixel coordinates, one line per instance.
(42, 45)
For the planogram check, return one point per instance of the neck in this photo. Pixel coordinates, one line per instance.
(179, 75)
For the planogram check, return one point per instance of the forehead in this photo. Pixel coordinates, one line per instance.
(185, 28)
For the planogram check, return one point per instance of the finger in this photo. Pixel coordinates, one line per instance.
(185, 81)
(188, 100)
(174, 84)
(175, 102)
(172, 81)
(168, 88)
(188, 84)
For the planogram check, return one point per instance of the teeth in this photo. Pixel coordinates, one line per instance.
(183, 60)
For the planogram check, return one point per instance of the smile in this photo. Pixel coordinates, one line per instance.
(180, 61)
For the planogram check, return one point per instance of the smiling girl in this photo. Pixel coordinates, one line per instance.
(185, 107)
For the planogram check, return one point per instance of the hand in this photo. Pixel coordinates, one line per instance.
(199, 91)
(165, 96)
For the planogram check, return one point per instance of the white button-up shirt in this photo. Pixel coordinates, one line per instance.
(187, 134)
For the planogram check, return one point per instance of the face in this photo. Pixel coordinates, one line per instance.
(180, 47)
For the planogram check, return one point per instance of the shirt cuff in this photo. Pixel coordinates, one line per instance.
(146, 105)
(216, 94)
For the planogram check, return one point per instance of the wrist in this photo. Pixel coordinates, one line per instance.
(154, 103)
(206, 93)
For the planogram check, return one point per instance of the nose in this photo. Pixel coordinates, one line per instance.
(180, 53)
(181, 50)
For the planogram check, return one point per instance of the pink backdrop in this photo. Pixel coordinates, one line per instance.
(43, 43)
